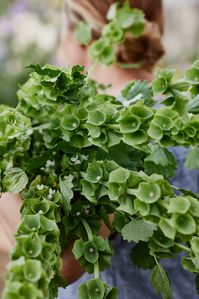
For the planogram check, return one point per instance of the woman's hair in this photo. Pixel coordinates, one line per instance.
(145, 49)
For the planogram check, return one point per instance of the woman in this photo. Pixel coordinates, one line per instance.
(146, 50)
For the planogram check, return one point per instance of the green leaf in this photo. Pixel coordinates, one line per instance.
(78, 249)
(15, 180)
(197, 283)
(141, 257)
(192, 159)
(148, 192)
(66, 186)
(160, 161)
(112, 293)
(83, 33)
(188, 265)
(137, 29)
(193, 105)
(136, 91)
(112, 11)
(160, 282)
(83, 291)
(137, 230)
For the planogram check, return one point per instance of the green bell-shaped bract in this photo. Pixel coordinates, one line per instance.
(129, 124)
(163, 122)
(119, 176)
(32, 270)
(96, 117)
(179, 205)
(148, 192)
(70, 123)
(194, 207)
(32, 246)
(90, 252)
(94, 173)
(155, 132)
(115, 190)
(161, 240)
(195, 245)
(141, 111)
(136, 138)
(141, 207)
(167, 226)
(185, 224)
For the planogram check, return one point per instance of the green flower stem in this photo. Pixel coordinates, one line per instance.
(96, 270)
(184, 248)
(88, 230)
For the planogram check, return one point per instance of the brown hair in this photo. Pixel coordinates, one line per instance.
(146, 49)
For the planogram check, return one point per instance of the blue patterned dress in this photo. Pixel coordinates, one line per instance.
(134, 283)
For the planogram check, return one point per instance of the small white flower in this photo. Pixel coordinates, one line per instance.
(50, 163)
(40, 187)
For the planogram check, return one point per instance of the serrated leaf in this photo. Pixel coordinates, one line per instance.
(136, 91)
(138, 230)
(160, 282)
(160, 161)
(140, 256)
(15, 180)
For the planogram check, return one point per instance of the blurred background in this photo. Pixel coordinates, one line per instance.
(30, 33)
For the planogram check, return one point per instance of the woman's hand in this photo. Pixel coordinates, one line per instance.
(10, 205)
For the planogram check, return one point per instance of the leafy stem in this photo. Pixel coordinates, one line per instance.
(96, 270)
(184, 248)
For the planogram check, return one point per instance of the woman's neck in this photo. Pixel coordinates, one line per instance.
(119, 77)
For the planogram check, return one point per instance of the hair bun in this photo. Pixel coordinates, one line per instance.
(146, 49)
